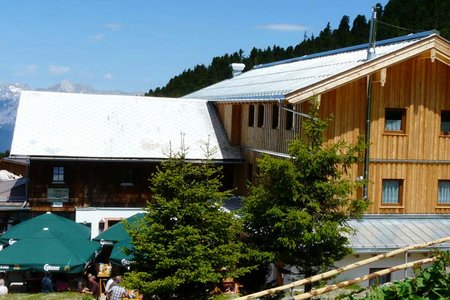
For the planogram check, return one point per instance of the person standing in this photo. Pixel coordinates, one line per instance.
(46, 283)
(3, 288)
(109, 285)
(118, 291)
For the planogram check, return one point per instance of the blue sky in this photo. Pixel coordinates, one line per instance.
(135, 45)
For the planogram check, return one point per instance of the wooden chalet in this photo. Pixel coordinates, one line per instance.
(100, 150)
(403, 92)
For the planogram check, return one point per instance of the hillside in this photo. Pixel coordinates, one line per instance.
(398, 17)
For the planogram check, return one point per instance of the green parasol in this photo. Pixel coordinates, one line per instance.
(118, 256)
(49, 250)
(48, 220)
(117, 232)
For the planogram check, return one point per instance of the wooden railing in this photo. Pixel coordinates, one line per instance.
(347, 268)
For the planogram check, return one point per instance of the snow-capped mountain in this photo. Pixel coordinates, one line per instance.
(9, 102)
(66, 86)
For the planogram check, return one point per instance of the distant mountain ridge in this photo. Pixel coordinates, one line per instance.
(9, 102)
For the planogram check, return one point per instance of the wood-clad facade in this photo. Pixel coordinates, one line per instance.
(413, 92)
(95, 184)
(92, 184)
(418, 155)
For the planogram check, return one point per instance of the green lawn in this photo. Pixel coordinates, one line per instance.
(41, 296)
(74, 296)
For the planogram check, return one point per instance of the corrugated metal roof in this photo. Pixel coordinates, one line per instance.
(273, 81)
(116, 127)
(382, 233)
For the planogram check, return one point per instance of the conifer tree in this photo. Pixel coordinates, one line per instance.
(298, 208)
(186, 243)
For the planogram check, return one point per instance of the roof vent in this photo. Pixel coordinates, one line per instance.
(237, 68)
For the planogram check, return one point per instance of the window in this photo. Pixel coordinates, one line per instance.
(289, 117)
(260, 115)
(392, 192)
(380, 279)
(58, 174)
(395, 119)
(275, 116)
(444, 192)
(445, 122)
(126, 177)
(251, 115)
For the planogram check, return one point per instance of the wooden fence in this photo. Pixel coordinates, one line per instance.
(347, 268)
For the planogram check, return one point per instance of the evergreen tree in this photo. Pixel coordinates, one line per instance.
(298, 208)
(342, 35)
(186, 243)
(4, 154)
(399, 17)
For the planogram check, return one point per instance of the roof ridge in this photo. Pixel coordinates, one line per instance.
(411, 36)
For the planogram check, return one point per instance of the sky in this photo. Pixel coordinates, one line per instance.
(137, 45)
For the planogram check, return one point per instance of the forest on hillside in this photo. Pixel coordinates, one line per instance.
(397, 18)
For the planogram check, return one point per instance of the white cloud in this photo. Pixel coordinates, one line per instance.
(97, 37)
(284, 27)
(113, 26)
(58, 70)
(107, 76)
(30, 69)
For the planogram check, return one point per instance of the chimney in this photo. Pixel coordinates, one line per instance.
(372, 36)
(237, 69)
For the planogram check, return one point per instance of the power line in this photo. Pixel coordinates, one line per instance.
(402, 28)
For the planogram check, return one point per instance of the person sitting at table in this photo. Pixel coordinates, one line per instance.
(93, 287)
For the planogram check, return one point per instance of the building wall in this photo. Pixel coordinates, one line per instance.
(93, 216)
(382, 264)
(99, 184)
(90, 184)
(419, 156)
(258, 135)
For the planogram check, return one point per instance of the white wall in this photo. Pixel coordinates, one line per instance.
(384, 263)
(94, 215)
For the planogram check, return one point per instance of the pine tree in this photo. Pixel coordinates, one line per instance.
(186, 243)
(299, 206)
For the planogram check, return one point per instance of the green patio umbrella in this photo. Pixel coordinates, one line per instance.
(49, 250)
(117, 232)
(48, 220)
(118, 257)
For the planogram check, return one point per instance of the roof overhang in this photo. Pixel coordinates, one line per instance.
(252, 99)
(433, 47)
(118, 159)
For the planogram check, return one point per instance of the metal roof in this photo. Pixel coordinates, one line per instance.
(382, 233)
(64, 125)
(272, 82)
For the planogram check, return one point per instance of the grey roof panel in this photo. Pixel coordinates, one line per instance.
(381, 233)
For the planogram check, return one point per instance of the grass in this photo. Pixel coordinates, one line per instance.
(75, 296)
(41, 296)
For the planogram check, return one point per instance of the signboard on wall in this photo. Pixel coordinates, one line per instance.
(58, 194)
